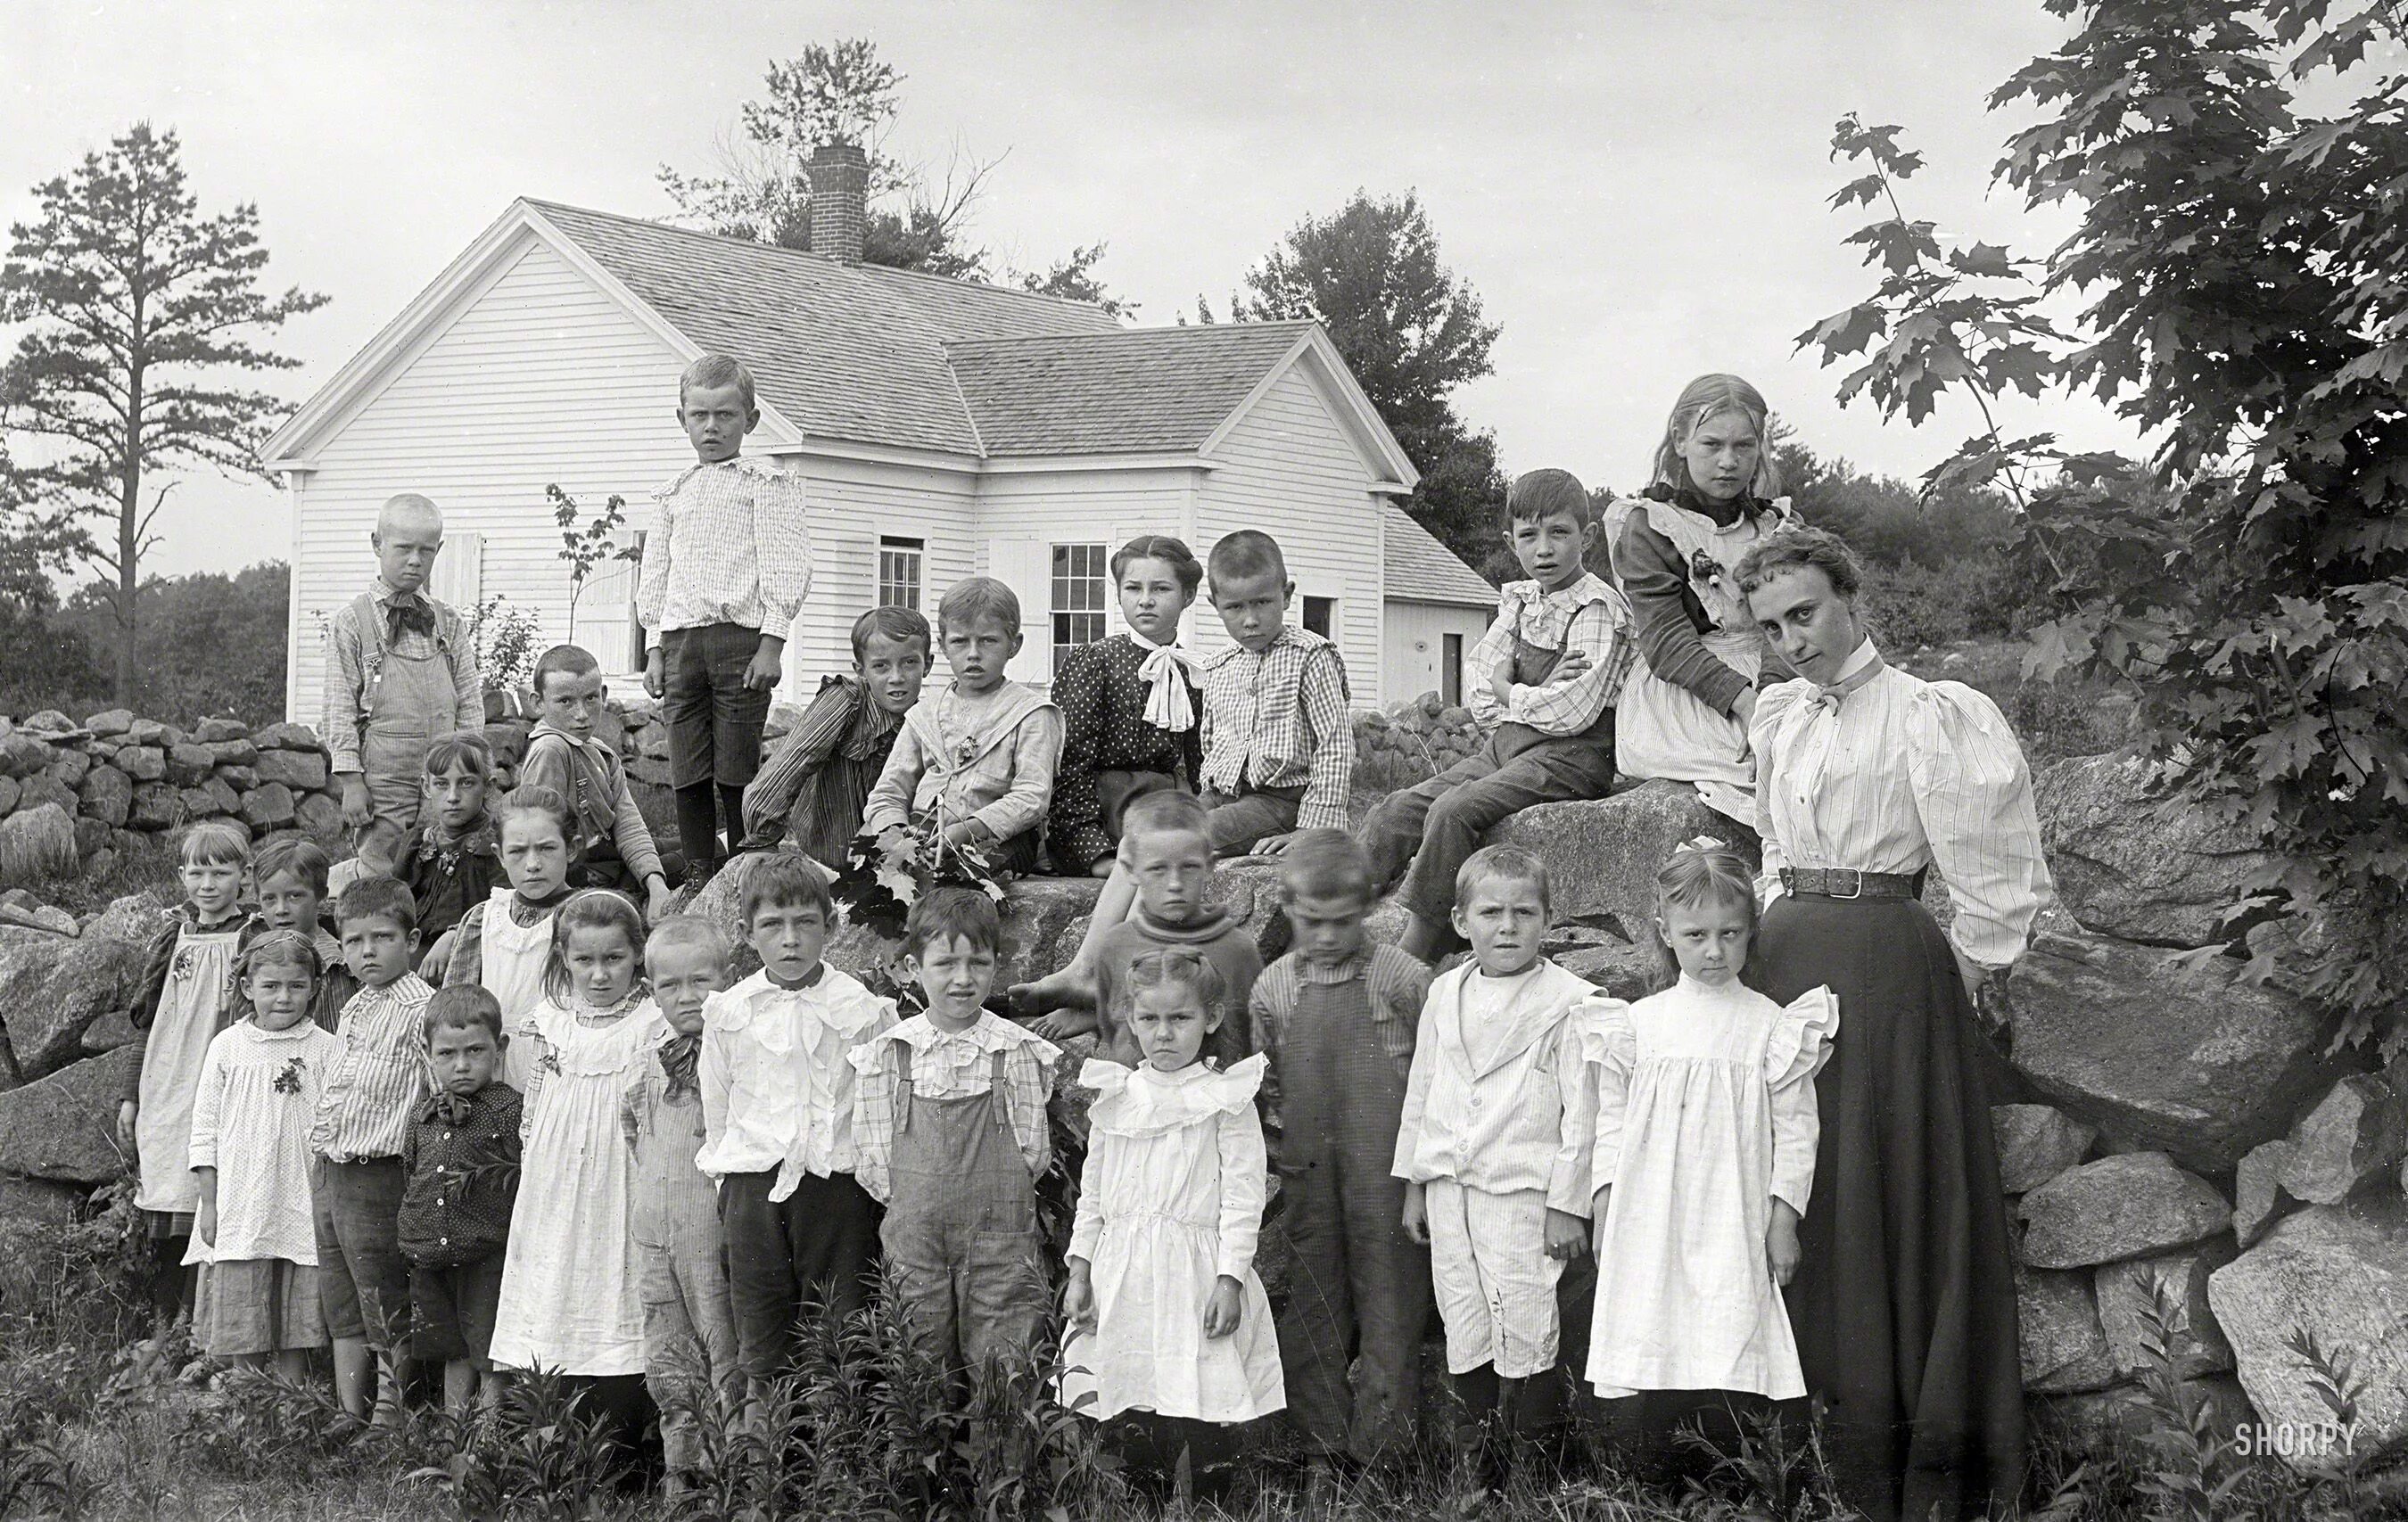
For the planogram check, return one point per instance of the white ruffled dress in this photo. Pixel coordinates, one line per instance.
(1171, 1199)
(1705, 1114)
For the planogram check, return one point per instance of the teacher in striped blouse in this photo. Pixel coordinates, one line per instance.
(1867, 779)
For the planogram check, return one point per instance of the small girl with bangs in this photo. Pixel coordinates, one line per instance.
(1705, 1154)
(571, 1300)
(1132, 707)
(1168, 1325)
(253, 1234)
(505, 944)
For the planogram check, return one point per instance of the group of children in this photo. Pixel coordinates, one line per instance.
(631, 1167)
(489, 1112)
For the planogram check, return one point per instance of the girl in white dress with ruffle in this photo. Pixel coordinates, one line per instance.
(1705, 1152)
(1168, 1326)
(570, 1301)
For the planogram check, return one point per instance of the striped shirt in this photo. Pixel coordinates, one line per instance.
(377, 1084)
(728, 545)
(1587, 616)
(354, 648)
(813, 790)
(1280, 719)
(1897, 775)
(947, 1065)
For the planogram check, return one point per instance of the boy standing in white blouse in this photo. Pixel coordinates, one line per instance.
(777, 1082)
(725, 569)
(1494, 1149)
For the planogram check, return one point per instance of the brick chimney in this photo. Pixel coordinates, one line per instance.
(839, 200)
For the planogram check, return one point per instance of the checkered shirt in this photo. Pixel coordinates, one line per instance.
(1280, 719)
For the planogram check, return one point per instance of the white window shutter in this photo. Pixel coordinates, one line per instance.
(458, 574)
(844, 585)
(1026, 566)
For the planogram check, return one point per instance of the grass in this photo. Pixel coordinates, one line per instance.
(146, 868)
(95, 1427)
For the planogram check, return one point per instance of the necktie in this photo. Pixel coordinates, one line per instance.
(1169, 692)
(449, 1108)
(678, 1056)
(405, 614)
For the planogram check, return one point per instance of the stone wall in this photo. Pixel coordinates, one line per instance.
(1415, 740)
(74, 796)
(2187, 1129)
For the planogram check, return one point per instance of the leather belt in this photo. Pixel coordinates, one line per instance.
(1848, 883)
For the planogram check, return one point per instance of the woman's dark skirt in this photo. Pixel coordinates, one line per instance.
(1904, 1304)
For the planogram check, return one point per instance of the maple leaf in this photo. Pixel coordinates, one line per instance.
(2289, 749)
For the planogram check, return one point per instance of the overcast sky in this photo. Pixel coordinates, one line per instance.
(1637, 189)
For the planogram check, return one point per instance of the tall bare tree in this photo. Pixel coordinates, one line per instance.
(140, 316)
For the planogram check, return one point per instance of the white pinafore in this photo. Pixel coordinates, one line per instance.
(570, 1298)
(1661, 730)
(191, 1007)
(510, 967)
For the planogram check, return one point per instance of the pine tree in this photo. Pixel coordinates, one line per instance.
(139, 313)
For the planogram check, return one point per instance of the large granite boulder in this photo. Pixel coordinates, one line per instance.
(37, 1202)
(2108, 1423)
(48, 993)
(1602, 854)
(2357, 1133)
(2338, 1273)
(2257, 1197)
(2133, 1205)
(65, 1127)
(2137, 867)
(2036, 1142)
(2189, 1060)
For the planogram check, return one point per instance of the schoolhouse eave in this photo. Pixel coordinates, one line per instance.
(1384, 460)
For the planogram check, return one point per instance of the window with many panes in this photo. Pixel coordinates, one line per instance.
(1081, 590)
(898, 571)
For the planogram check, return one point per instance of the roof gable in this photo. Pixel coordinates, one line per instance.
(1135, 392)
(1420, 569)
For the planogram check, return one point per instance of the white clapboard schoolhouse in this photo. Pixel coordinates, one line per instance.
(944, 429)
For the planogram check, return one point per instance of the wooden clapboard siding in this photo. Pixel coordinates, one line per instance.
(1287, 468)
(538, 378)
(853, 503)
(1024, 514)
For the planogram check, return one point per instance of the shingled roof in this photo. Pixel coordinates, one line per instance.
(1422, 570)
(867, 355)
(1135, 392)
(844, 351)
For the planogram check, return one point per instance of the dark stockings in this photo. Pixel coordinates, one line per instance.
(700, 806)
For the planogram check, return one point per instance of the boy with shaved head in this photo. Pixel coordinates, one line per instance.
(400, 671)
